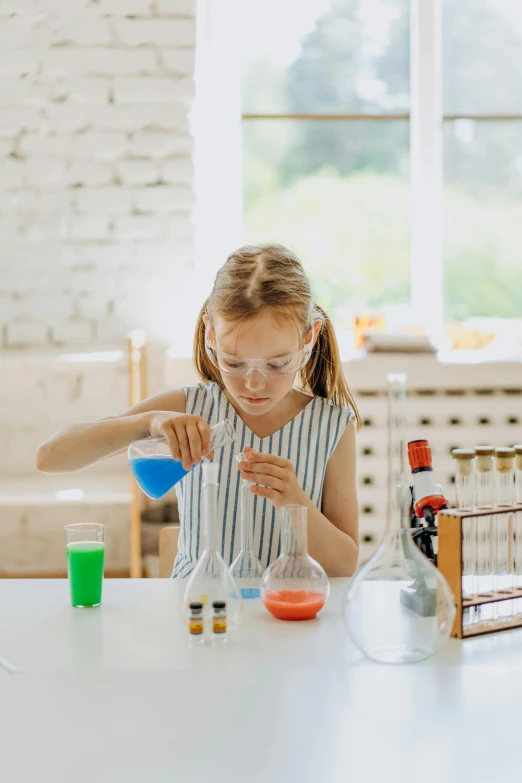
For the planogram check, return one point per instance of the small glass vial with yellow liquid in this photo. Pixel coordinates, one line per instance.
(195, 622)
(219, 620)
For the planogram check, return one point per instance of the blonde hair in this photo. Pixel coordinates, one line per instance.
(257, 277)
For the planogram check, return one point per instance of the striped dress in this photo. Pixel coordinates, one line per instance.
(308, 440)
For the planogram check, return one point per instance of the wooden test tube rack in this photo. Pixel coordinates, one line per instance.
(450, 564)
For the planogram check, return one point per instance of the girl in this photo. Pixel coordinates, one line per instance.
(257, 334)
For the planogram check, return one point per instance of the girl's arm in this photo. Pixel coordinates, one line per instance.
(80, 445)
(333, 537)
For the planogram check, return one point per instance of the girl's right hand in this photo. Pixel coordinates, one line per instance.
(188, 436)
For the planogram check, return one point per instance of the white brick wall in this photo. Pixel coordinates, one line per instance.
(45, 394)
(96, 169)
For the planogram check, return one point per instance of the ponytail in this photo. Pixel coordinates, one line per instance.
(323, 374)
(205, 368)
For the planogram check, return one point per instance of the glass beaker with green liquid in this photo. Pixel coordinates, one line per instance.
(85, 558)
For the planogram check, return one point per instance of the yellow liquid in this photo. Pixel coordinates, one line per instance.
(219, 626)
(196, 627)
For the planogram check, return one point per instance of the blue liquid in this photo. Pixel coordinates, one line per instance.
(157, 474)
(250, 592)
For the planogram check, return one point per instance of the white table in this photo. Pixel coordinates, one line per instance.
(117, 694)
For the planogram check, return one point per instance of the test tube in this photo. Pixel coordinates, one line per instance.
(518, 473)
(503, 529)
(465, 490)
(517, 531)
(484, 500)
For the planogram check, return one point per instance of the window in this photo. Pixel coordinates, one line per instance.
(326, 144)
(482, 60)
(326, 106)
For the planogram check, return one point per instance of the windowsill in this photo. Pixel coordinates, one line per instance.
(442, 357)
(184, 353)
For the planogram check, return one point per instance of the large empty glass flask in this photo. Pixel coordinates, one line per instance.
(398, 607)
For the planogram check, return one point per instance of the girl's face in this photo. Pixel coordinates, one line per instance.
(265, 336)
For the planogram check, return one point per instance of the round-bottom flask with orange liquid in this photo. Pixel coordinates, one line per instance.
(294, 587)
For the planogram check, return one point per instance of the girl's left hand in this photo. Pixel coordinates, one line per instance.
(276, 474)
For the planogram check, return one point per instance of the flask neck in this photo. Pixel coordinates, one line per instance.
(210, 497)
(247, 519)
(399, 495)
(294, 531)
(221, 434)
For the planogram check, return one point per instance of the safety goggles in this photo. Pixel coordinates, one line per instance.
(241, 367)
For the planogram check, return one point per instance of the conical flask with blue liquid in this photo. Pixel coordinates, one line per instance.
(154, 467)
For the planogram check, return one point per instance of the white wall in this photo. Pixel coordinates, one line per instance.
(96, 169)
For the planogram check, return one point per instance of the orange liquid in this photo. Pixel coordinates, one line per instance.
(294, 604)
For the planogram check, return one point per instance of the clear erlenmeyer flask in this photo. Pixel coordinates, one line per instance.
(398, 607)
(294, 587)
(247, 569)
(211, 579)
(154, 467)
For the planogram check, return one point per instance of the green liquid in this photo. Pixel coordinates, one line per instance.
(85, 566)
